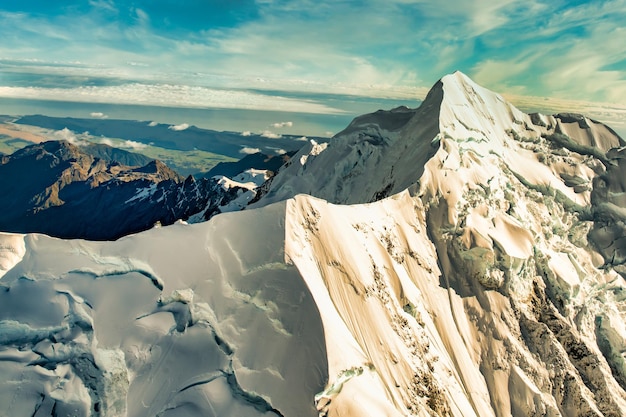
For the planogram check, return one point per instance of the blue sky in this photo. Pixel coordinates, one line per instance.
(570, 50)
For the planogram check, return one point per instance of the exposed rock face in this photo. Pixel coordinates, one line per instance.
(476, 272)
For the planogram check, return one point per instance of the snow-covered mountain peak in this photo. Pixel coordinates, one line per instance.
(385, 152)
(459, 124)
(469, 111)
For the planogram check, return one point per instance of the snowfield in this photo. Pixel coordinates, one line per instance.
(462, 259)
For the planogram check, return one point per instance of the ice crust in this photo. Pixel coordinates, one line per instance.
(461, 259)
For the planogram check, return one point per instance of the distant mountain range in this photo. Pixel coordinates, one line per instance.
(97, 192)
(112, 154)
(165, 136)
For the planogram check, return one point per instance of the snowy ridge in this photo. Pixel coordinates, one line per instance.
(480, 274)
(223, 194)
(377, 298)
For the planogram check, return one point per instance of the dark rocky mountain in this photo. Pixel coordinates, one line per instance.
(110, 154)
(63, 190)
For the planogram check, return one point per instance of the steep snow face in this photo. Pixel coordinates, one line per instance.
(186, 320)
(510, 200)
(384, 311)
(480, 131)
(504, 316)
(378, 155)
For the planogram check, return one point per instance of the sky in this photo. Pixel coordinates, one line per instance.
(182, 52)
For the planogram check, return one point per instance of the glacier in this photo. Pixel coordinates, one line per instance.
(462, 258)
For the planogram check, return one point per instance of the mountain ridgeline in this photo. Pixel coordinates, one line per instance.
(459, 259)
(98, 192)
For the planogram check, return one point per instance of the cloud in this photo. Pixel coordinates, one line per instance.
(107, 5)
(70, 136)
(280, 151)
(500, 74)
(170, 95)
(67, 135)
(131, 144)
(281, 124)
(271, 135)
(179, 127)
(249, 151)
(98, 115)
(589, 67)
(246, 133)
(474, 17)
(153, 124)
(126, 144)
(395, 48)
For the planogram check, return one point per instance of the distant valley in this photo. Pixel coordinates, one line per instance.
(186, 149)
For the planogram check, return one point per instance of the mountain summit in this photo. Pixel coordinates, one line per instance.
(385, 152)
(477, 269)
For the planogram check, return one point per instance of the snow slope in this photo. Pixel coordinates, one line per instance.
(176, 321)
(477, 271)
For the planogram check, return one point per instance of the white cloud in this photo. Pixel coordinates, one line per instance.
(499, 74)
(126, 144)
(142, 17)
(579, 68)
(170, 95)
(70, 136)
(131, 144)
(394, 49)
(153, 124)
(246, 133)
(278, 125)
(104, 4)
(249, 151)
(271, 135)
(179, 127)
(280, 151)
(66, 134)
(98, 115)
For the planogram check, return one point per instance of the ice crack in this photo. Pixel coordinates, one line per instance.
(113, 266)
(255, 400)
